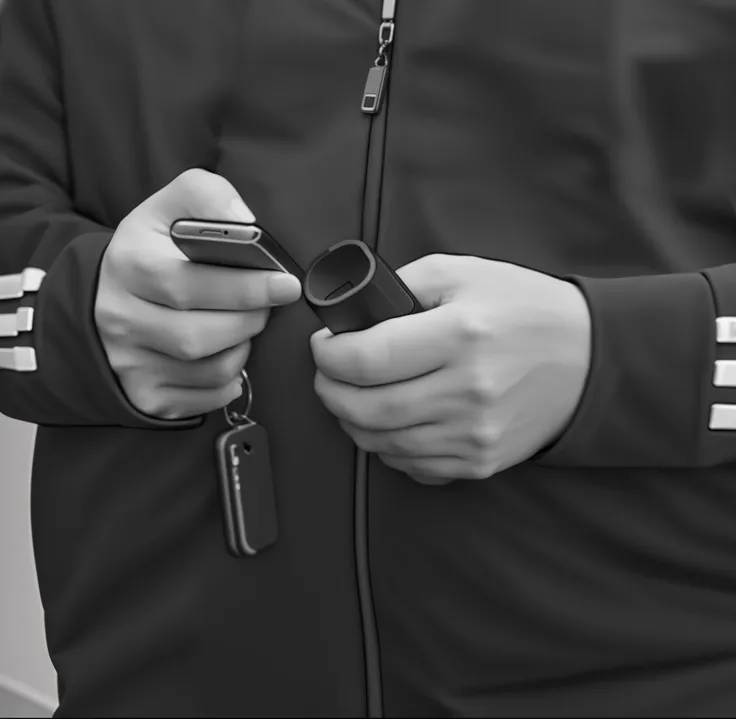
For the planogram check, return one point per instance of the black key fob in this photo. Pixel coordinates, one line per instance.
(247, 490)
(350, 288)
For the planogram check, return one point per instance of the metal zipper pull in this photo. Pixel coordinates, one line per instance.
(376, 82)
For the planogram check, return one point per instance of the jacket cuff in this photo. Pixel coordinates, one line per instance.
(719, 444)
(73, 382)
(645, 403)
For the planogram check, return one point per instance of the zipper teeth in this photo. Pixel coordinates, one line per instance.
(374, 692)
(370, 223)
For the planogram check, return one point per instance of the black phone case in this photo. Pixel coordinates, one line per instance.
(351, 288)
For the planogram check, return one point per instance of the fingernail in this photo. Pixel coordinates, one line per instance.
(241, 212)
(283, 289)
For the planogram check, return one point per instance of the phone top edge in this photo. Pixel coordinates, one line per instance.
(219, 231)
(242, 234)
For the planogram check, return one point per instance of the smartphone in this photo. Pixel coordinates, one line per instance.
(232, 244)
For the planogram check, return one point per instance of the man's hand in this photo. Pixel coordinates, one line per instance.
(177, 333)
(490, 374)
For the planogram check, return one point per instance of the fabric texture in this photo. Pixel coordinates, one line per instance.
(591, 141)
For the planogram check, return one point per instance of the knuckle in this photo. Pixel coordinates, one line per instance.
(188, 345)
(148, 401)
(363, 439)
(240, 357)
(111, 319)
(390, 460)
(481, 390)
(447, 265)
(227, 369)
(331, 400)
(361, 364)
(229, 393)
(217, 185)
(397, 445)
(344, 409)
(358, 414)
(317, 347)
(474, 327)
(137, 268)
(172, 411)
(319, 385)
(123, 360)
(171, 414)
(221, 373)
(255, 322)
(478, 471)
(121, 261)
(170, 286)
(376, 415)
(438, 265)
(190, 180)
(340, 403)
(481, 467)
(115, 256)
(197, 184)
(341, 407)
(484, 438)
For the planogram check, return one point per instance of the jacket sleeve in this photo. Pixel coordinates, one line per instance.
(661, 390)
(53, 368)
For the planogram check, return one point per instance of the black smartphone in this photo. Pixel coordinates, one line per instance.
(232, 244)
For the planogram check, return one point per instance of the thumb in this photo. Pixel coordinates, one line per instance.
(430, 279)
(197, 194)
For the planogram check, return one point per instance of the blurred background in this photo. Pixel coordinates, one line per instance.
(27, 678)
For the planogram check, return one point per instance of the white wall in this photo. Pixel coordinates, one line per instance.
(23, 656)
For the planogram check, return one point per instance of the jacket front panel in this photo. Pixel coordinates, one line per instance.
(521, 131)
(573, 138)
(146, 612)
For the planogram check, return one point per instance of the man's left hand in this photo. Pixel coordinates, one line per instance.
(487, 376)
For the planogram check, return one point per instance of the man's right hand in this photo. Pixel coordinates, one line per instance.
(178, 333)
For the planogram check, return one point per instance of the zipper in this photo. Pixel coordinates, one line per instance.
(374, 104)
(375, 84)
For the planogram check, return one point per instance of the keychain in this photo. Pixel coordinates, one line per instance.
(246, 483)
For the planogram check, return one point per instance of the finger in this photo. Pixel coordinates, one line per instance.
(212, 372)
(432, 279)
(183, 402)
(392, 351)
(428, 470)
(196, 194)
(432, 481)
(427, 440)
(446, 468)
(189, 335)
(184, 285)
(417, 401)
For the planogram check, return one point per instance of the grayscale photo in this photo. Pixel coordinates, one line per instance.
(367, 358)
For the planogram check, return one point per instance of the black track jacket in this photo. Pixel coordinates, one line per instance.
(593, 140)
